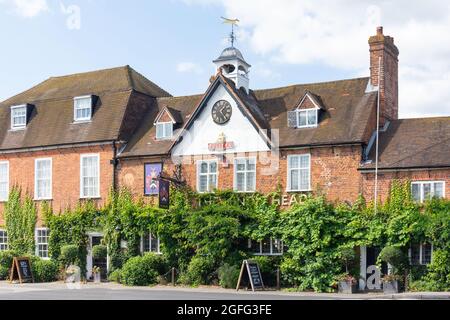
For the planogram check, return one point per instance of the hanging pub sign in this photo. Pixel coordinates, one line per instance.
(250, 274)
(151, 174)
(164, 197)
(21, 270)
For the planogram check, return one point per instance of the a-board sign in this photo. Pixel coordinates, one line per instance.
(21, 270)
(250, 273)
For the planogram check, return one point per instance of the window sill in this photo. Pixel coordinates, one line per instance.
(43, 199)
(91, 198)
(237, 191)
(298, 191)
(17, 129)
(268, 254)
(81, 121)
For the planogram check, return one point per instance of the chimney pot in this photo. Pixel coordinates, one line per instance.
(380, 31)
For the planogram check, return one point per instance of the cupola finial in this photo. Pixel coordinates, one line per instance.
(233, 22)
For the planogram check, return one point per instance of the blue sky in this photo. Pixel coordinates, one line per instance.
(173, 42)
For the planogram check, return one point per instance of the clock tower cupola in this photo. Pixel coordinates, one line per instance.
(232, 63)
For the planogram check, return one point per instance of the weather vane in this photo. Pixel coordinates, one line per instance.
(233, 22)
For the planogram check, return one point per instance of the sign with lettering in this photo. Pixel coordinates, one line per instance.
(251, 273)
(221, 144)
(21, 270)
(164, 197)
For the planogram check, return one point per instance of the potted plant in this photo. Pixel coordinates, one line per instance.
(346, 282)
(397, 262)
(96, 273)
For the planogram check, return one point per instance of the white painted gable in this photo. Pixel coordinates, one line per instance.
(204, 131)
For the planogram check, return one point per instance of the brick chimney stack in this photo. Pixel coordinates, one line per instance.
(384, 47)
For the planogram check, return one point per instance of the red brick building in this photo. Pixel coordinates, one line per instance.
(73, 138)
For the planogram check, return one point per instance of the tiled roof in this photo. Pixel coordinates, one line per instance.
(413, 143)
(51, 119)
(345, 119)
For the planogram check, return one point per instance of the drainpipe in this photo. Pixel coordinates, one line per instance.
(114, 163)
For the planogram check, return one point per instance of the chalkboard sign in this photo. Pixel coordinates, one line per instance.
(252, 271)
(21, 270)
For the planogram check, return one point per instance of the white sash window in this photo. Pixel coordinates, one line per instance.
(299, 172)
(245, 175)
(90, 176)
(206, 175)
(43, 179)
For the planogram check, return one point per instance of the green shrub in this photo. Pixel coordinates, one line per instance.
(44, 270)
(142, 271)
(228, 276)
(200, 271)
(6, 259)
(395, 257)
(69, 255)
(99, 252)
(347, 256)
(115, 276)
(438, 276)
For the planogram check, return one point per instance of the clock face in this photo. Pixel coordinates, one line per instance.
(221, 112)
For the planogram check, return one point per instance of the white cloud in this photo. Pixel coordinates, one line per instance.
(186, 67)
(335, 33)
(27, 8)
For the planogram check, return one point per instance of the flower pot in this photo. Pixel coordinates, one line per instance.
(390, 287)
(97, 277)
(347, 287)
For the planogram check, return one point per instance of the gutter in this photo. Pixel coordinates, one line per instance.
(393, 169)
(56, 147)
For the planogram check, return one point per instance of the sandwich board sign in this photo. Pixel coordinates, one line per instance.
(250, 273)
(21, 270)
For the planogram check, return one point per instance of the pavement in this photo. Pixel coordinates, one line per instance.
(112, 291)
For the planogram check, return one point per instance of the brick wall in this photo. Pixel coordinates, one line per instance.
(65, 171)
(385, 180)
(333, 171)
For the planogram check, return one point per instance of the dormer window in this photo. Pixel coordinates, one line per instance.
(83, 109)
(306, 114)
(307, 118)
(164, 130)
(19, 117)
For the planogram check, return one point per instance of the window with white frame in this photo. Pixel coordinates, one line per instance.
(43, 179)
(307, 118)
(82, 108)
(150, 243)
(245, 175)
(90, 176)
(426, 190)
(42, 236)
(164, 130)
(266, 247)
(421, 253)
(299, 172)
(3, 240)
(19, 117)
(4, 180)
(206, 175)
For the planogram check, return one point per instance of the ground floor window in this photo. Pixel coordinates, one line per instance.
(3, 240)
(42, 235)
(150, 243)
(266, 247)
(421, 253)
(426, 190)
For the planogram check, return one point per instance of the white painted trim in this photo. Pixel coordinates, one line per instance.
(307, 95)
(198, 163)
(88, 155)
(158, 252)
(22, 127)
(7, 240)
(82, 120)
(163, 124)
(288, 187)
(161, 113)
(271, 254)
(36, 198)
(37, 243)
(7, 180)
(421, 183)
(299, 111)
(235, 174)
